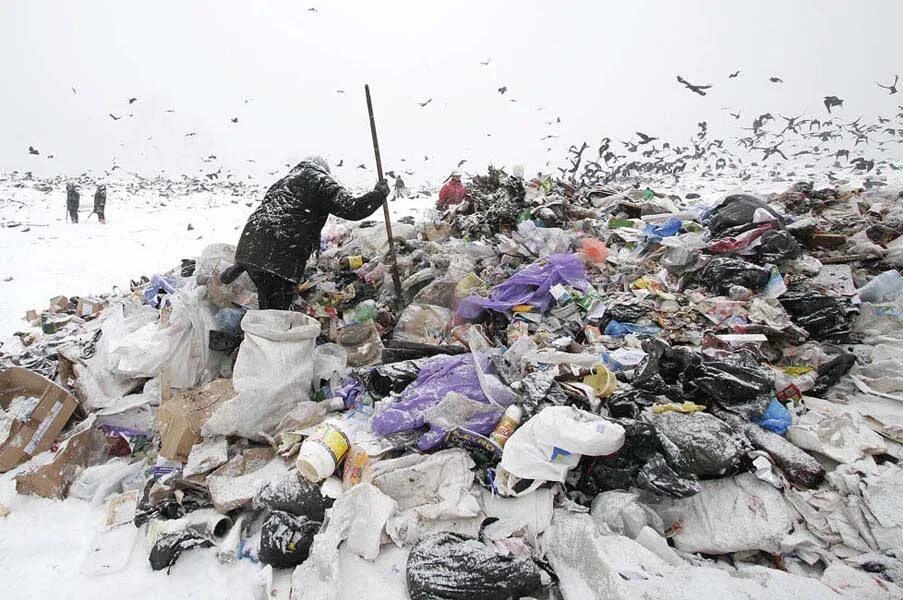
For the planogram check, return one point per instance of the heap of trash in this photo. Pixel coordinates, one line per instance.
(582, 392)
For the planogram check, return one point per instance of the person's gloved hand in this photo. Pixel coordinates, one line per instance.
(382, 187)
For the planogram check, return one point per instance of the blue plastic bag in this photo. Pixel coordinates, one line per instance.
(662, 230)
(776, 418)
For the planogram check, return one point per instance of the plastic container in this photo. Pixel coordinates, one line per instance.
(509, 422)
(602, 381)
(322, 452)
(885, 284)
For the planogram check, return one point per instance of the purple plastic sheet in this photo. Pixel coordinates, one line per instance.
(530, 286)
(437, 378)
(162, 284)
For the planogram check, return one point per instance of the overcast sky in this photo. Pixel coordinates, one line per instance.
(604, 68)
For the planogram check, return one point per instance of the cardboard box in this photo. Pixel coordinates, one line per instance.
(54, 479)
(47, 421)
(179, 420)
(58, 303)
(87, 308)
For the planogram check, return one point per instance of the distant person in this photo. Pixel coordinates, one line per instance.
(100, 203)
(72, 200)
(400, 189)
(284, 231)
(452, 193)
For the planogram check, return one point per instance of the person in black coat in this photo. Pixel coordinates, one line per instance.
(100, 203)
(284, 231)
(72, 201)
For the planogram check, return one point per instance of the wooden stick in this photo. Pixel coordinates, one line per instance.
(396, 279)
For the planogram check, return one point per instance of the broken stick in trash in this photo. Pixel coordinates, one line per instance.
(396, 280)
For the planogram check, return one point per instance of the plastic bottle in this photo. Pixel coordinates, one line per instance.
(509, 422)
(322, 452)
(885, 284)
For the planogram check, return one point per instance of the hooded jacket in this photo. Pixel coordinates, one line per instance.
(284, 231)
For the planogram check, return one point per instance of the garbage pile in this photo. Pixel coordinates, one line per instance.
(584, 392)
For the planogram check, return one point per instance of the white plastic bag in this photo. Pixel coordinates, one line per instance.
(272, 373)
(190, 360)
(552, 442)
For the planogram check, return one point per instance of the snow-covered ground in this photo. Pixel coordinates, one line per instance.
(42, 542)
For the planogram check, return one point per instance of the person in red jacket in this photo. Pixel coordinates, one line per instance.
(452, 192)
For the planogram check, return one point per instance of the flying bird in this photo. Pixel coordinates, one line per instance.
(733, 75)
(645, 139)
(312, 9)
(423, 104)
(234, 119)
(698, 89)
(461, 163)
(775, 80)
(486, 62)
(133, 100)
(191, 133)
(832, 101)
(114, 117)
(33, 150)
(362, 166)
(170, 110)
(503, 89)
(892, 88)
(341, 162)
(73, 89)
(340, 91)
(735, 115)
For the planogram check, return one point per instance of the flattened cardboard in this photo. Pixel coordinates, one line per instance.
(179, 420)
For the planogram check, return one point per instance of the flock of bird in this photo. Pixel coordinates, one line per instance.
(831, 138)
(646, 155)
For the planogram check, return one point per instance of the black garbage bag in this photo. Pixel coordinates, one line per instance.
(777, 246)
(710, 447)
(392, 377)
(723, 272)
(285, 539)
(739, 385)
(167, 549)
(824, 317)
(830, 372)
(643, 445)
(737, 209)
(630, 404)
(453, 566)
(657, 476)
(663, 369)
(295, 495)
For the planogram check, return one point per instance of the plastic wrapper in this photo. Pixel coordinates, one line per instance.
(452, 566)
(423, 324)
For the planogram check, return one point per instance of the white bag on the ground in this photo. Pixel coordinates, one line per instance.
(272, 373)
(182, 344)
(552, 442)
